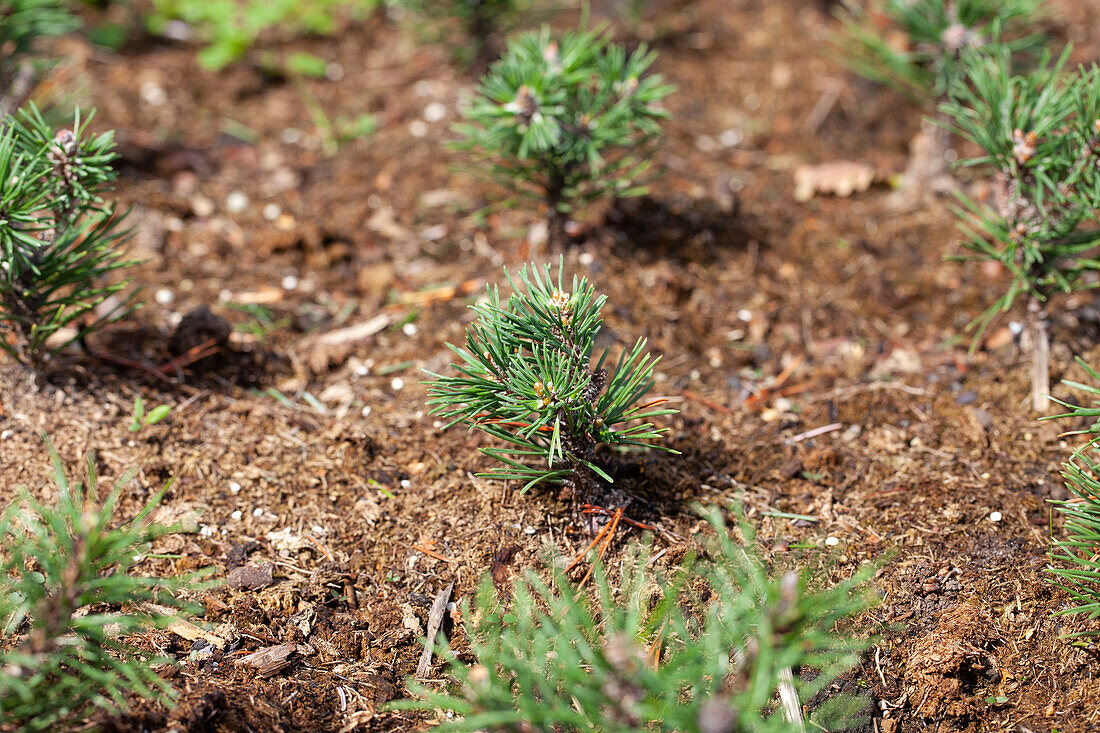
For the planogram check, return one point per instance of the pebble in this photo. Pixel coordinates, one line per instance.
(731, 138)
(202, 207)
(409, 329)
(234, 487)
(237, 514)
(832, 541)
(397, 384)
(236, 202)
(153, 94)
(291, 136)
(164, 296)
(290, 283)
(435, 112)
(995, 517)
(272, 212)
(967, 398)
(418, 128)
(257, 512)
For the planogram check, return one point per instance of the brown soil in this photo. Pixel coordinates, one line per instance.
(725, 274)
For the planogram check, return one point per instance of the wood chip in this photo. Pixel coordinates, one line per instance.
(839, 177)
(435, 620)
(272, 660)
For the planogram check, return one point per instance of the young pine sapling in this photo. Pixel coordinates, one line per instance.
(59, 239)
(527, 378)
(68, 601)
(1040, 135)
(481, 22)
(1075, 562)
(22, 24)
(566, 122)
(917, 47)
(654, 654)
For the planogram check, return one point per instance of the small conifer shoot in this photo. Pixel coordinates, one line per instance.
(566, 122)
(68, 602)
(1076, 557)
(23, 25)
(916, 46)
(650, 655)
(1040, 137)
(527, 378)
(60, 240)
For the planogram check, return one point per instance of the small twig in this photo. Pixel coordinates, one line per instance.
(581, 555)
(606, 544)
(688, 394)
(813, 433)
(833, 89)
(788, 695)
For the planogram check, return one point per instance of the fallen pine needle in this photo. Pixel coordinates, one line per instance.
(432, 553)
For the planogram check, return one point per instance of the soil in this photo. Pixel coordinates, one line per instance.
(309, 447)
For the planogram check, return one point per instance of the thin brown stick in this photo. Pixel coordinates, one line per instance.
(581, 555)
(606, 544)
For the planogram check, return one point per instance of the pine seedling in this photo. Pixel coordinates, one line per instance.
(709, 648)
(527, 379)
(480, 21)
(59, 239)
(22, 24)
(916, 46)
(566, 122)
(68, 600)
(1040, 137)
(1076, 558)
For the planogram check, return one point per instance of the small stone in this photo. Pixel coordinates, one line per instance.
(202, 207)
(968, 397)
(832, 541)
(153, 94)
(290, 282)
(995, 517)
(164, 296)
(236, 202)
(237, 514)
(435, 112)
(251, 577)
(409, 329)
(418, 128)
(397, 384)
(272, 211)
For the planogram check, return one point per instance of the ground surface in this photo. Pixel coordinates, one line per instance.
(849, 300)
